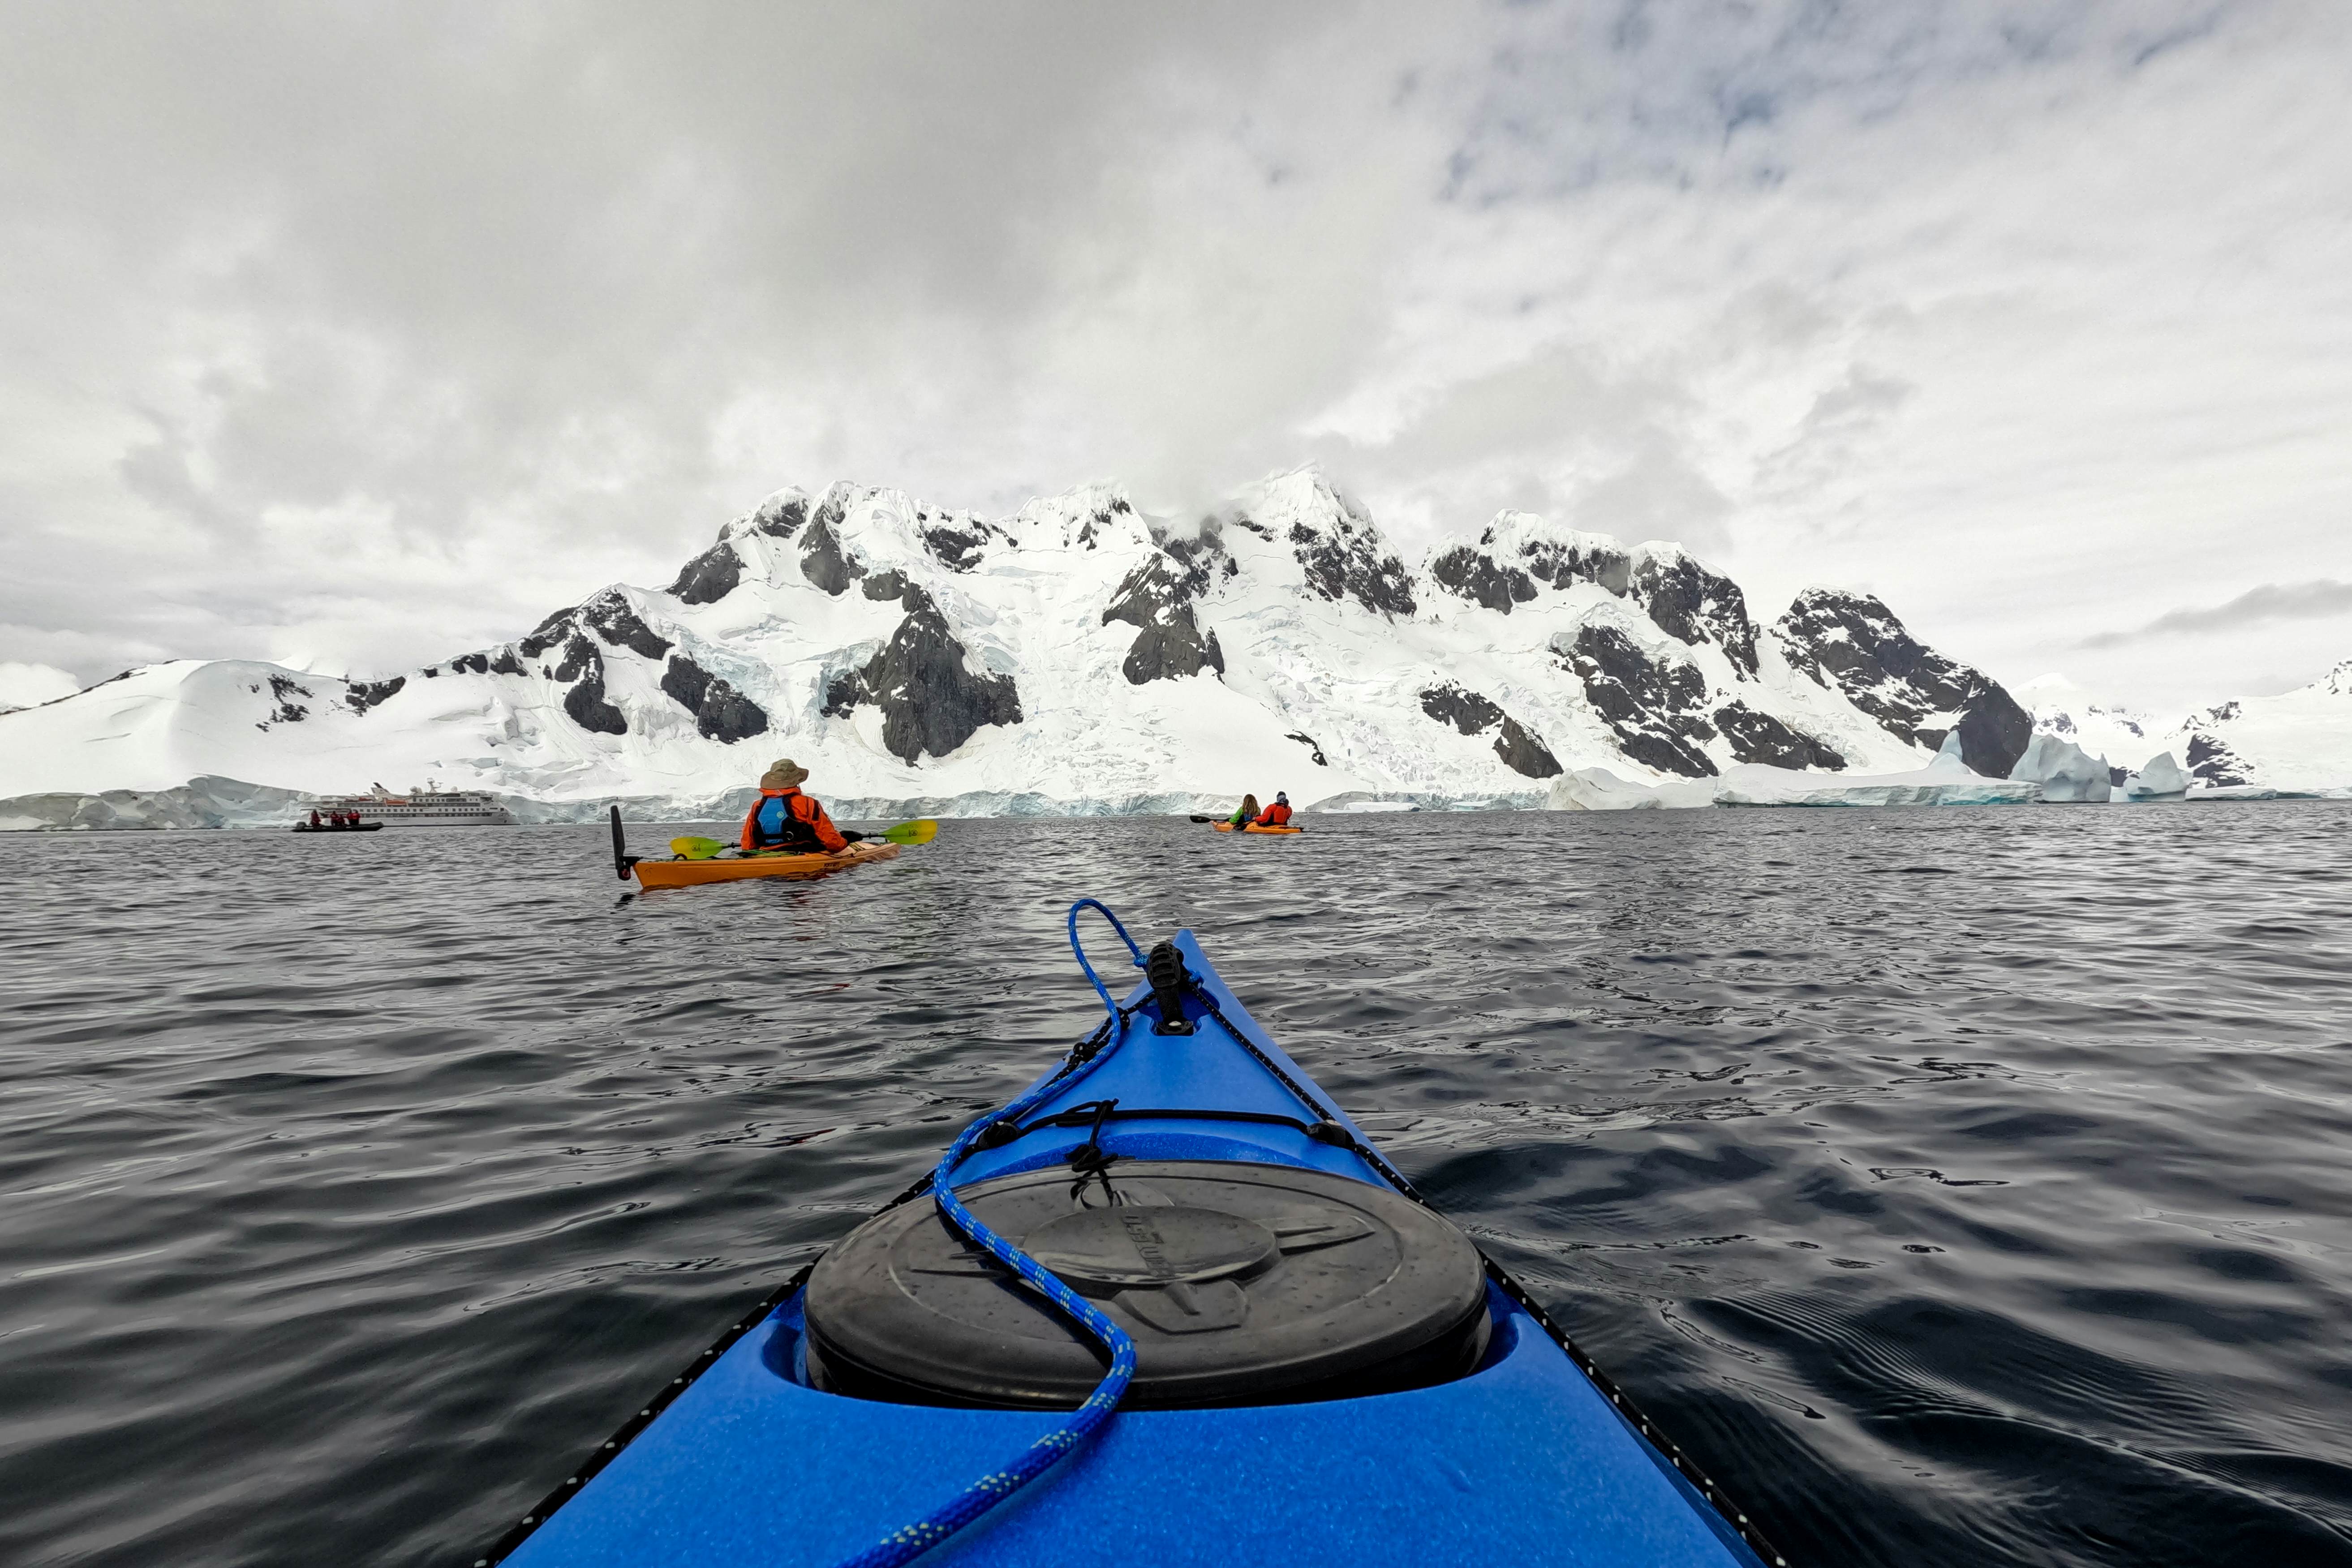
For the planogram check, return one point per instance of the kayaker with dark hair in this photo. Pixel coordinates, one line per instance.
(784, 818)
(1248, 814)
(1278, 814)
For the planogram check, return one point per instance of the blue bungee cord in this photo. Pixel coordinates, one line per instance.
(910, 1541)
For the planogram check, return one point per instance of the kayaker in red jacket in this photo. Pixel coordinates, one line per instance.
(784, 818)
(1278, 814)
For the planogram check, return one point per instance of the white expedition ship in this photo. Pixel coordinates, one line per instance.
(431, 806)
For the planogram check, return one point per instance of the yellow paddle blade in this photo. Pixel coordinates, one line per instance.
(921, 831)
(695, 848)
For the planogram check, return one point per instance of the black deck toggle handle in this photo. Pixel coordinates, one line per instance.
(1165, 971)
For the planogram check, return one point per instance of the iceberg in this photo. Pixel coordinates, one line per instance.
(1946, 781)
(2160, 779)
(2064, 770)
(1598, 789)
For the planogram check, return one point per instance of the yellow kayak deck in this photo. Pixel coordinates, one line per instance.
(1253, 827)
(693, 873)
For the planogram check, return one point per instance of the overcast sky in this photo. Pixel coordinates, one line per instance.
(358, 336)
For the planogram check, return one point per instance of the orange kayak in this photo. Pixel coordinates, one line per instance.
(1253, 827)
(693, 873)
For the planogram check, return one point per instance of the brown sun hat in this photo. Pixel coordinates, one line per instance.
(783, 775)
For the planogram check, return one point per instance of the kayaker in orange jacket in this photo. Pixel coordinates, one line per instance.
(1278, 814)
(784, 818)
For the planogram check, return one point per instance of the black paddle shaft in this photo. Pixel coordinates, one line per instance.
(621, 861)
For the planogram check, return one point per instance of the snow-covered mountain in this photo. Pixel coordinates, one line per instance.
(2299, 739)
(1079, 655)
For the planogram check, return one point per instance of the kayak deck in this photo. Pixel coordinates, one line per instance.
(1526, 1459)
(684, 873)
(1254, 827)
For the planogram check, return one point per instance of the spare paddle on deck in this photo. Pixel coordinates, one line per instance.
(921, 831)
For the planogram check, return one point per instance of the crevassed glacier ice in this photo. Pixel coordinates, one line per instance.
(2064, 770)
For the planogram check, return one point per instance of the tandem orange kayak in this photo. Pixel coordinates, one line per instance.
(693, 873)
(1253, 827)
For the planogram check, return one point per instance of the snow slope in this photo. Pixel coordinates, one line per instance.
(1079, 655)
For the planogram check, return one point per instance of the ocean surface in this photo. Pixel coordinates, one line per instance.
(1959, 1186)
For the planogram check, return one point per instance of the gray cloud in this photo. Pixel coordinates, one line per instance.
(2319, 600)
(363, 333)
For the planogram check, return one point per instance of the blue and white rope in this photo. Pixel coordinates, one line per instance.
(910, 1541)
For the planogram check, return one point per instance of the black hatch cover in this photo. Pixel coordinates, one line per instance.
(1241, 1285)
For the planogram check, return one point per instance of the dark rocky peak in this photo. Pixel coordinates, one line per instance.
(1853, 644)
(720, 713)
(1656, 706)
(710, 577)
(1687, 600)
(780, 516)
(1156, 598)
(1562, 557)
(1350, 562)
(892, 585)
(548, 633)
(930, 700)
(610, 617)
(1519, 748)
(823, 562)
(1479, 577)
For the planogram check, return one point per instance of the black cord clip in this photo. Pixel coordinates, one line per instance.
(1165, 971)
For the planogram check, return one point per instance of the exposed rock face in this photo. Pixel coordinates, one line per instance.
(1350, 562)
(823, 561)
(2211, 763)
(368, 694)
(720, 713)
(609, 616)
(931, 700)
(1089, 532)
(959, 549)
(287, 711)
(780, 516)
(580, 654)
(710, 577)
(1853, 644)
(1471, 713)
(1564, 565)
(507, 663)
(585, 702)
(470, 664)
(1475, 575)
(1761, 738)
(1156, 598)
(1523, 753)
(886, 586)
(1657, 707)
(1687, 601)
(1313, 751)
(550, 632)
(1466, 710)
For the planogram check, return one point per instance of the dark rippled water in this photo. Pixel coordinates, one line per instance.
(1959, 1186)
